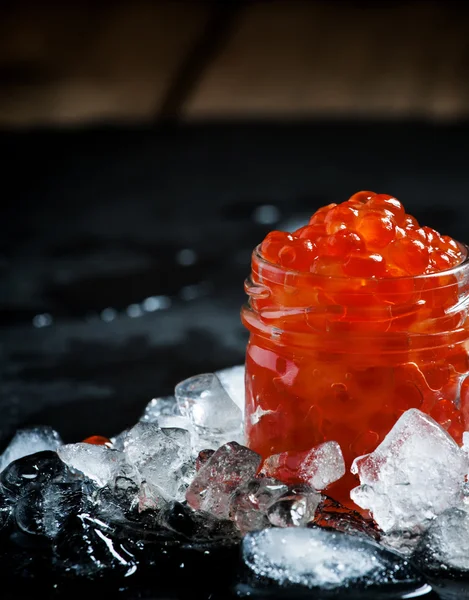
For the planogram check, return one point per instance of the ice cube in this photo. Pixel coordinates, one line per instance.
(323, 465)
(29, 441)
(318, 467)
(44, 509)
(177, 425)
(150, 497)
(330, 514)
(465, 441)
(125, 492)
(415, 474)
(445, 545)
(5, 511)
(34, 469)
(317, 558)
(165, 406)
(233, 380)
(228, 468)
(117, 440)
(147, 443)
(178, 422)
(185, 474)
(208, 439)
(250, 502)
(296, 508)
(182, 438)
(157, 456)
(214, 415)
(196, 526)
(115, 505)
(59, 500)
(203, 457)
(28, 512)
(89, 547)
(100, 464)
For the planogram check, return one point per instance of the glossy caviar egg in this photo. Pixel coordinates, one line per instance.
(388, 205)
(98, 440)
(410, 255)
(341, 243)
(364, 264)
(377, 229)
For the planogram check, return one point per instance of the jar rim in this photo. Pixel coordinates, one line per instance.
(462, 267)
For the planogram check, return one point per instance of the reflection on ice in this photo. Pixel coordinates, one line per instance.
(223, 473)
(318, 467)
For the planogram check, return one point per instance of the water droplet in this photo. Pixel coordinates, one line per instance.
(43, 320)
(153, 303)
(134, 310)
(191, 292)
(186, 257)
(108, 314)
(267, 214)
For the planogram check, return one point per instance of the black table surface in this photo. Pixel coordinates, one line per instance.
(95, 220)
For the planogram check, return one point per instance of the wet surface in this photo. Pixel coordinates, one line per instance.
(123, 252)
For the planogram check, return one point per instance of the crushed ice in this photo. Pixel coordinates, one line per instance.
(317, 558)
(414, 475)
(182, 475)
(29, 441)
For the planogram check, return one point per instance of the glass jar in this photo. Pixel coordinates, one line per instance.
(337, 358)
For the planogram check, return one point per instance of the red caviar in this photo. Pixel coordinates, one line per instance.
(98, 440)
(355, 318)
(369, 229)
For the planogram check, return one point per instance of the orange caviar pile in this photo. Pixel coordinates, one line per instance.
(354, 319)
(369, 235)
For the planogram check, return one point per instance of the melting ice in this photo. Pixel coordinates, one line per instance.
(415, 474)
(316, 558)
(183, 475)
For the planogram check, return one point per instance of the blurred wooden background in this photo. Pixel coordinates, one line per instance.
(82, 62)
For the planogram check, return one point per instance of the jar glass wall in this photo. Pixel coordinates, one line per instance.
(333, 358)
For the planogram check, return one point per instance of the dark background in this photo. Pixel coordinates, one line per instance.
(148, 147)
(96, 220)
